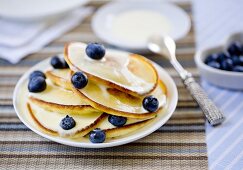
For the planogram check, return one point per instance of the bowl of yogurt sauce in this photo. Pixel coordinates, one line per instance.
(129, 25)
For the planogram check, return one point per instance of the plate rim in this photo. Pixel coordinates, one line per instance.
(109, 39)
(122, 141)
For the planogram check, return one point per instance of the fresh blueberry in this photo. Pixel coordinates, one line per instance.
(226, 64)
(236, 60)
(214, 64)
(37, 84)
(65, 64)
(97, 136)
(150, 103)
(79, 80)
(56, 62)
(67, 123)
(235, 48)
(211, 57)
(37, 73)
(117, 120)
(241, 60)
(222, 56)
(238, 68)
(95, 51)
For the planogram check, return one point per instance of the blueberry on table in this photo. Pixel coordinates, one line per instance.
(117, 120)
(238, 68)
(214, 64)
(56, 62)
(79, 80)
(97, 136)
(226, 64)
(37, 73)
(211, 57)
(150, 103)
(235, 48)
(95, 51)
(37, 84)
(67, 123)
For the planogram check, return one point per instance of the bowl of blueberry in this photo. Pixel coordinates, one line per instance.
(223, 65)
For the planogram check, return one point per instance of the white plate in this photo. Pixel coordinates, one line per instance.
(103, 19)
(29, 10)
(157, 123)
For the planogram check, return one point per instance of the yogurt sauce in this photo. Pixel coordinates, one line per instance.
(136, 26)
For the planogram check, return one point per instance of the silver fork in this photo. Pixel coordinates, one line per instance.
(165, 46)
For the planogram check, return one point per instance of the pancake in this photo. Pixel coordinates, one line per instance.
(130, 73)
(49, 121)
(57, 99)
(118, 103)
(113, 101)
(59, 77)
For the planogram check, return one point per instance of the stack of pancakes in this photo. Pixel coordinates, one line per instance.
(116, 85)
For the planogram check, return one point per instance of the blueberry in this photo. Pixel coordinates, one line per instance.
(235, 48)
(117, 120)
(65, 64)
(226, 64)
(95, 51)
(222, 56)
(211, 57)
(97, 136)
(37, 73)
(67, 123)
(79, 80)
(150, 103)
(238, 68)
(37, 84)
(241, 60)
(56, 62)
(214, 64)
(236, 60)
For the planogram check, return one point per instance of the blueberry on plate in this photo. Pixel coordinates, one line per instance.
(150, 103)
(117, 120)
(97, 136)
(226, 64)
(67, 123)
(238, 68)
(95, 51)
(56, 62)
(211, 57)
(37, 84)
(65, 64)
(37, 73)
(235, 48)
(214, 64)
(79, 80)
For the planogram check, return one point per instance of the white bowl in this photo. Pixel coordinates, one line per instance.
(221, 78)
(103, 19)
(161, 119)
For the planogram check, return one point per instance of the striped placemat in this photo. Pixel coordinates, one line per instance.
(179, 144)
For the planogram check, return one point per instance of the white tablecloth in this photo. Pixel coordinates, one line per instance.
(214, 21)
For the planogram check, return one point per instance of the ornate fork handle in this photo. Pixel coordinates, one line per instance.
(212, 113)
